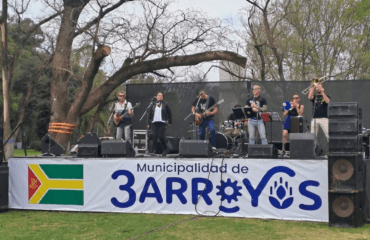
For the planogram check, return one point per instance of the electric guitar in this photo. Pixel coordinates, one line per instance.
(124, 113)
(198, 117)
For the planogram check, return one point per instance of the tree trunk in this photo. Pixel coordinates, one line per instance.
(9, 147)
(61, 67)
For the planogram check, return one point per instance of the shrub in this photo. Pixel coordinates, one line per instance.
(35, 145)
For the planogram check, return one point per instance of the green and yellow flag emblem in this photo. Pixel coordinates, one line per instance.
(55, 184)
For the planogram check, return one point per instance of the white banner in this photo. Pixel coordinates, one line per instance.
(271, 188)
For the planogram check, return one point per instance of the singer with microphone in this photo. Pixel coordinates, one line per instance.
(159, 116)
(258, 105)
(124, 125)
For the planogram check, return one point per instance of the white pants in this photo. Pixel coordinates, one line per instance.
(323, 123)
(126, 130)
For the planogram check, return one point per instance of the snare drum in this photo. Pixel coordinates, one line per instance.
(222, 140)
(229, 126)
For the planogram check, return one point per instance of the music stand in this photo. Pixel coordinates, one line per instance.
(239, 113)
(248, 112)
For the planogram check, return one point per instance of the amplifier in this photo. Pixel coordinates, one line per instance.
(195, 148)
(88, 150)
(117, 148)
(297, 124)
(262, 151)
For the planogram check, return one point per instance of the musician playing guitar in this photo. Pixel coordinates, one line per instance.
(206, 117)
(124, 125)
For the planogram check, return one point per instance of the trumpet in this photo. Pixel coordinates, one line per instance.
(314, 83)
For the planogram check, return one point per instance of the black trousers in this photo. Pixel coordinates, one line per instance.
(158, 133)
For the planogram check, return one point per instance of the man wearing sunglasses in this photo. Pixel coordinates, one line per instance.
(258, 105)
(124, 125)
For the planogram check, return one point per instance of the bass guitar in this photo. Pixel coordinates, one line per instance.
(198, 117)
(124, 114)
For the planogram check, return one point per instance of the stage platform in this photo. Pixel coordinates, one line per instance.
(237, 187)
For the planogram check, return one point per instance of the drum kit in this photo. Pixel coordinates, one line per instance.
(231, 133)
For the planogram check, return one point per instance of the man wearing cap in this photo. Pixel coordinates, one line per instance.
(206, 117)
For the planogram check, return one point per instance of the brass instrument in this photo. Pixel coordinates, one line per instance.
(314, 83)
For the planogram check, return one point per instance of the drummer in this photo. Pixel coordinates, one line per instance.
(233, 118)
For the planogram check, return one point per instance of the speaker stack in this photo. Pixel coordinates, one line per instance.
(346, 166)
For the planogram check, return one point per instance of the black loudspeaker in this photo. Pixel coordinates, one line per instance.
(117, 148)
(346, 209)
(302, 146)
(367, 189)
(274, 131)
(4, 187)
(89, 146)
(346, 172)
(262, 151)
(90, 138)
(173, 144)
(88, 150)
(55, 148)
(297, 124)
(344, 110)
(345, 127)
(195, 148)
(345, 143)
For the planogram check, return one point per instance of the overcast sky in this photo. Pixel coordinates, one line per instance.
(223, 9)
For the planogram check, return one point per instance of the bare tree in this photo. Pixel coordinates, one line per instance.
(159, 39)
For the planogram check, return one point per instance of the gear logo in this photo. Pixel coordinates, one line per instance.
(226, 194)
(281, 195)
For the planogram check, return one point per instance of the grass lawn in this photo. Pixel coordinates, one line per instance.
(16, 224)
(30, 152)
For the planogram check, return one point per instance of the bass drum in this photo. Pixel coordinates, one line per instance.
(222, 141)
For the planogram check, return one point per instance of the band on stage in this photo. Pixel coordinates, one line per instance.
(242, 124)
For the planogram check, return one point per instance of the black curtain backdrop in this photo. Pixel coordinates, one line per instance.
(180, 96)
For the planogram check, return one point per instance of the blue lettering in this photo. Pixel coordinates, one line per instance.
(303, 190)
(179, 192)
(204, 193)
(157, 194)
(255, 193)
(141, 169)
(126, 187)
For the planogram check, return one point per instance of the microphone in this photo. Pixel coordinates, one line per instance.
(154, 99)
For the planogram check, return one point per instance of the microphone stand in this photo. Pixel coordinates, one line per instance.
(147, 133)
(111, 115)
(194, 123)
(146, 110)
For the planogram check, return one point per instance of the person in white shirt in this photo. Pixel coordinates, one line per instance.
(159, 116)
(123, 123)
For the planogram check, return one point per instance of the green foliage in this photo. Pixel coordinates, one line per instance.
(36, 145)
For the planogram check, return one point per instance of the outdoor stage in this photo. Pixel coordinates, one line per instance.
(235, 187)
